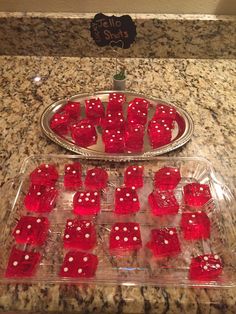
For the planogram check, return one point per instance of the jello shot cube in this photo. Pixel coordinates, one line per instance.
(86, 202)
(165, 112)
(31, 230)
(163, 203)
(205, 267)
(167, 178)
(115, 102)
(134, 137)
(78, 264)
(134, 176)
(22, 264)
(164, 242)
(72, 176)
(126, 200)
(40, 199)
(60, 123)
(125, 237)
(94, 110)
(138, 111)
(158, 134)
(195, 225)
(79, 234)
(84, 133)
(44, 174)
(196, 194)
(114, 141)
(96, 179)
(72, 108)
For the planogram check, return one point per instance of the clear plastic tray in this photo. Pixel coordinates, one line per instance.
(137, 268)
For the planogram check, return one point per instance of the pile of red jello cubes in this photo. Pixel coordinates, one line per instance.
(80, 235)
(119, 133)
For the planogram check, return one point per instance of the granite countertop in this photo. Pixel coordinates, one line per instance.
(205, 88)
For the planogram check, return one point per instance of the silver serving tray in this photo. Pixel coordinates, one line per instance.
(181, 133)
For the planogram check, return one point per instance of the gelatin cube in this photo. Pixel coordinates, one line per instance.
(164, 242)
(163, 203)
(125, 237)
(31, 230)
(205, 267)
(134, 176)
(196, 194)
(78, 264)
(126, 201)
(79, 234)
(167, 178)
(195, 225)
(22, 263)
(96, 179)
(86, 202)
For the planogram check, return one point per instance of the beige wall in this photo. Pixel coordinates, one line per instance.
(129, 6)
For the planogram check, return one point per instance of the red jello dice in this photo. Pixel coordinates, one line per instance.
(96, 179)
(158, 134)
(134, 136)
(72, 108)
(31, 230)
(165, 112)
(167, 178)
(125, 237)
(115, 102)
(164, 242)
(40, 199)
(111, 133)
(84, 133)
(137, 111)
(163, 203)
(134, 176)
(79, 234)
(60, 123)
(72, 176)
(94, 110)
(114, 141)
(196, 194)
(113, 120)
(45, 174)
(22, 263)
(167, 123)
(86, 203)
(126, 201)
(205, 267)
(78, 264)
(195, 225)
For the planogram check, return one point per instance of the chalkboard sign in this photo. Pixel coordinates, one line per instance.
(113, 31)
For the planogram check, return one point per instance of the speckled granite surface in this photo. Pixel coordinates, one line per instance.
(158, 36)
(205, 88)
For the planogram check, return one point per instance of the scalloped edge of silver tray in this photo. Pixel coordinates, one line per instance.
(182, 137)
